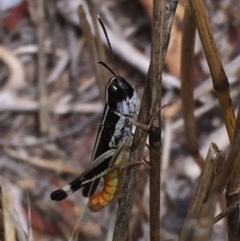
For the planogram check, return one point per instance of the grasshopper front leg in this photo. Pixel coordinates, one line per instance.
(131, 121)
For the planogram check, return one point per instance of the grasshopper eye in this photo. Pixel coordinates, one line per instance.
(115, 93)
(114, 88)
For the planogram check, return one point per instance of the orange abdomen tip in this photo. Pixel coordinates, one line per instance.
(112, 184)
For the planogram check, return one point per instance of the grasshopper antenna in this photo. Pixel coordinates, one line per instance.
(107, 67)
(110, 48)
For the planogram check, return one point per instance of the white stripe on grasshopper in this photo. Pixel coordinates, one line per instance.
(67, 189)
(114, 153)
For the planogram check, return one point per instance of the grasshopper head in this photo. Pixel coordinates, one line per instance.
(121, 96)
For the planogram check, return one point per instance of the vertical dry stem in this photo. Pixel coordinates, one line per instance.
(150, 101)
(44, 117)
(155, 77)
(73, 53)
(105, 75)
(1, 215)
(187, 58)
(232, 194)
(8, 212)
(220, 81)
(87, 30)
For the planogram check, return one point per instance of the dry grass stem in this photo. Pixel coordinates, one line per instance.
(92, 47)
(8, 211)
(232, 196)
(226, 212)
(148, 108)
(171, 6)
(210, 171)
(28, 106)
(187, 57)
(207, 212)
(228, 169)
(17, 75)
(219, 78)
(166, 150)
(1, 215)
(73, 75)
(55, 165)
(105, 75)
(44, 117)
(155, 80)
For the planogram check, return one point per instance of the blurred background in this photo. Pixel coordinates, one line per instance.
(51, 98)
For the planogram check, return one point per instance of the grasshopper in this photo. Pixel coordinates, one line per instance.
(112, 142)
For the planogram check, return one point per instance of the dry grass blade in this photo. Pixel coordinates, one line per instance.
(85, 25)
(56, 165)
(207, 212)
(26, 106)
(226, 212)
(171, 6)
(8, 211)
(17, 77)
(98, 42)
(44, 117)
(73, 75)
(80, 129)
(187, 55)
(220, 81)
(1, 215)
(210, 171)
(232, 193)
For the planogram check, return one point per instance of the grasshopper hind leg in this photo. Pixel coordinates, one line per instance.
(62, 193)
(67, 190)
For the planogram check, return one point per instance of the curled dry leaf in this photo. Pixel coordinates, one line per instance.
(17, 75)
